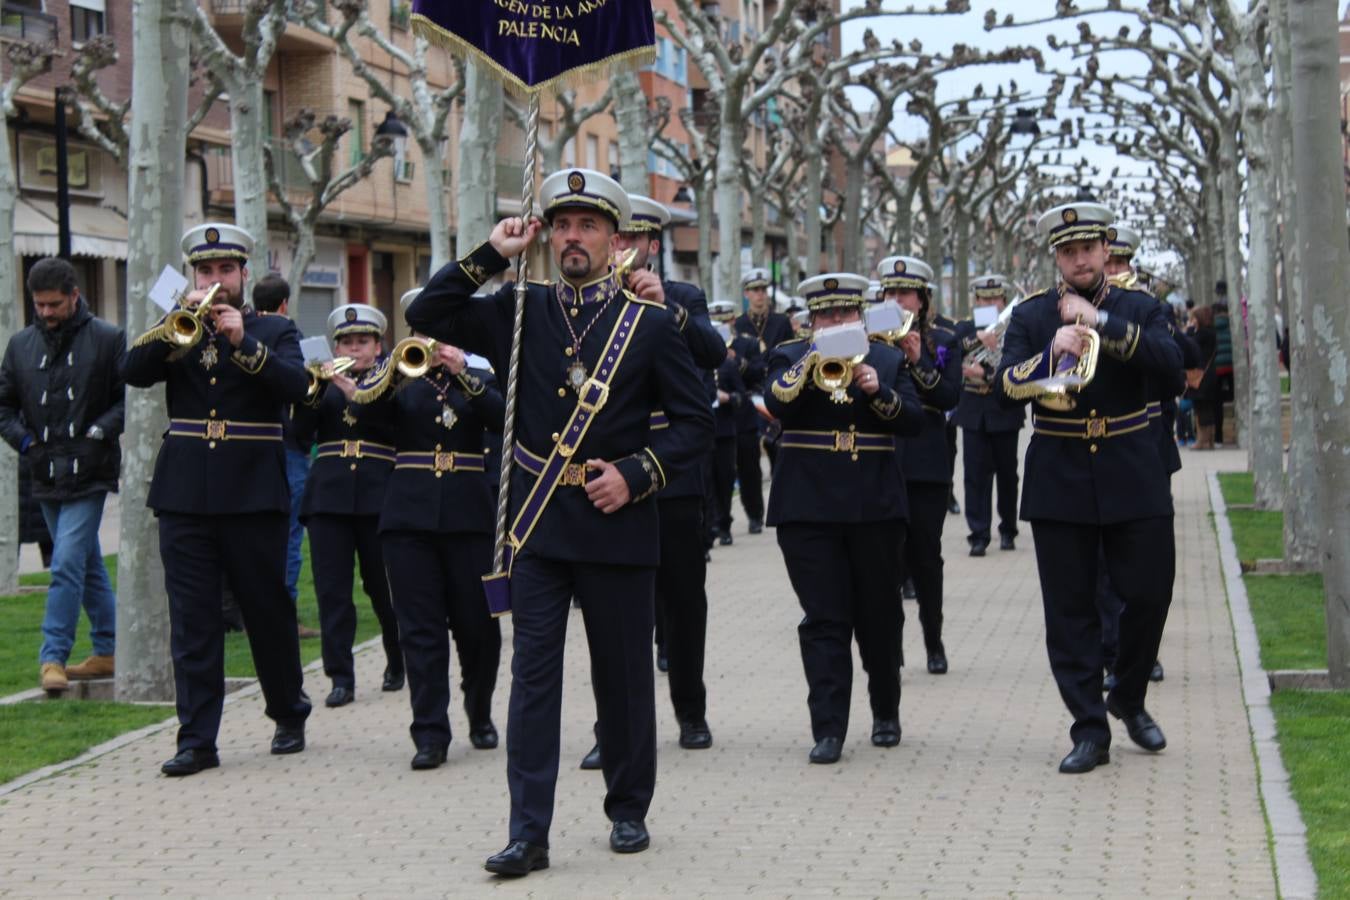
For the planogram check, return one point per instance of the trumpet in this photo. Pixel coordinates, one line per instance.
(413, 356)
(889, 322)
(1072, 374)
(319, 372)
(993, 357)
(834, 374)
(183, 327)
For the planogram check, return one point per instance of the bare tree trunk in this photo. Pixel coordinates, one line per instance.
(703, 203)
(155, 221)
(304, 253)
(814, 174)
(1320, 200)
(934, 253)
(1231, 237)
(438, 216)
(9, 324)
(731, 141)
(851, 218)
(1266, 440)
(961, 280)
(902, 233)
(757, 228)
(1300, 507)
(477, 196)
(630, 113)
(791, 276)
(247, 134)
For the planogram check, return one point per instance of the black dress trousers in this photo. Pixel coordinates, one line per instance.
(617, 607)
(249, 550)
(335, 541)
(750, 475)
(828, 563)
(922, 555)
(724, 479)
(1140, 558)
(435, 585)
(990, 456)
(684, 603)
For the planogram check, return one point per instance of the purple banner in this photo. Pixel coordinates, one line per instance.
(533, 45)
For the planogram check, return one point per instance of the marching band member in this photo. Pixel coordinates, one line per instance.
(1094, 476)
(738, 423)
(436, 525)
(220, 493)
(596, 359)
(989, 431)
(839, 506)
(342, 499)
(767, 328)
(934, 365)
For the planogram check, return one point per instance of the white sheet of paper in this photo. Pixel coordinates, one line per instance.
(724, 330)
(842, 341)
(168, 288)
(985, 316)
(315, 349)
(883, 317)
(473, 360)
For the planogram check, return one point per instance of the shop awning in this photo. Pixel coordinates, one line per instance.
(94, 230)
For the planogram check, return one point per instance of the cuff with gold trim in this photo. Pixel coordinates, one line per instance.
(643, 473)
(679, 312)
(1019, 380)
(885, 403)
(483, 263)
(472, 384)
(249, 355)
(924, 376)
(1120, 338)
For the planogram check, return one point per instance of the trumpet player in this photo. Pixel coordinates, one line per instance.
(839, 505)
(342, 499)
(989, 432)
(934, 365)
(1094, 476)
(220, 493)
(436, 523)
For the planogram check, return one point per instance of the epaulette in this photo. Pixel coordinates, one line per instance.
(636, 299)
(1034, 294)
(539, 281)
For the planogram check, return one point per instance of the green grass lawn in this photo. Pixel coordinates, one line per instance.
(37, 734)
(1258, 533)
(1236, 488)
(1290, 616)
(1314, 733)
(33, 735)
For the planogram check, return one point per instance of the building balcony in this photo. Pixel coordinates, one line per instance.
(21, 23)
(229, 17)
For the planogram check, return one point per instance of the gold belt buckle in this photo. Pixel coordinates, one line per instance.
(444, 462)
(844, 441)
(574, 475)
(1096, 427)
(215, 430)
(351, 448)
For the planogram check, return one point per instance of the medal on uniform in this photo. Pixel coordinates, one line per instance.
(577, 375)
(348, 418)
(210, 356)
(448, 417)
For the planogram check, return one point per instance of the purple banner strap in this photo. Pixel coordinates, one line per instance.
(533, 45)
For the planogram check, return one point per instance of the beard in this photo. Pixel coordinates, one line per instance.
(1084, 284)
(575, 262)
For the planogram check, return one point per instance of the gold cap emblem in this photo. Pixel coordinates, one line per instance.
(1070, 216)
(212, 236)
(831, 284)
(351, 314)
(1110, 234)
(899, 266)
(575, 182)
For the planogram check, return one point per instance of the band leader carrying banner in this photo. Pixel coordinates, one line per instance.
(534, 45)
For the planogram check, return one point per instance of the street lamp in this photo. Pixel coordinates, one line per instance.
(1085, 195)
(682, 195)
(1025, 122)
(394, 129)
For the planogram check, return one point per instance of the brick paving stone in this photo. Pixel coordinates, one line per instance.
(970, 803)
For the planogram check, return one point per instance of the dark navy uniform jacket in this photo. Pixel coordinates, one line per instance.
(937, 378)
(767, 333)
(734, 375)
(1110, 471)
(656, 373)
(213, 385)
(413, 411)
(1167, 388)
(978, 409)
(690, 307)
(813, 485)
(354, 483)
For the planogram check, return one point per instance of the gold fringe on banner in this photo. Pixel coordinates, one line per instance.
(575, 77)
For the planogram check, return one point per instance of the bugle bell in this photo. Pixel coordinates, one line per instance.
(838, 350)
(413, 356)
(183, 327)
(319, 372)
(1072, 374)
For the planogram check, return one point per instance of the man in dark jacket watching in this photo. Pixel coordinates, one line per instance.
(61, 406)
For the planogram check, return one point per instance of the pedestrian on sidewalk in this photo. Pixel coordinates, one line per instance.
(61, 407)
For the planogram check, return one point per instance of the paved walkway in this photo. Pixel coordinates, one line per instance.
(970, 803)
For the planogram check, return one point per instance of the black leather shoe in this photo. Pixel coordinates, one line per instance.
(1007, 542)
(288, 739)
(591, 760)
(393, 679)
(483, 736)
(937, 663)
(1109, 682)
(429, 756)
(1140, 726)
(977, 548)
(694, 735)
(629, 836)
(662, 661)
(1084, 757)
(519, 858)
(190, 762)
(908, 591)
(885, 732)
(724, 539)
(952, 506)
(827, 751)
(1157, 673)
(339, 696)
(756, 526)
